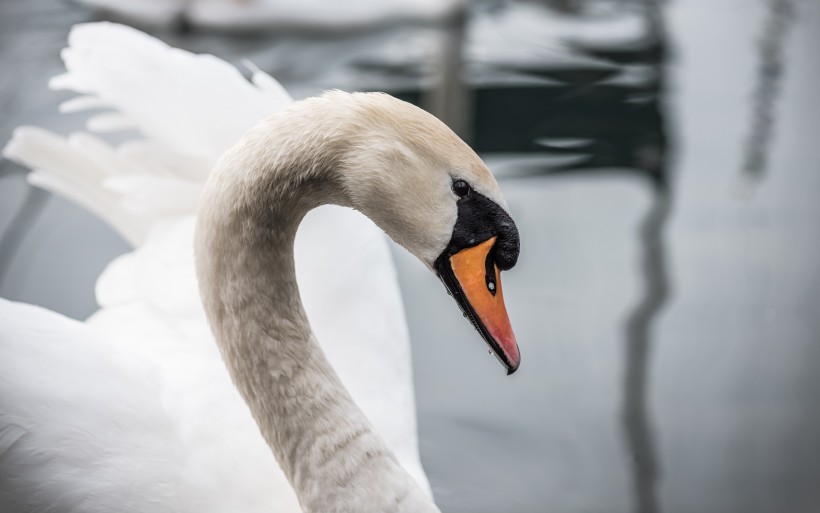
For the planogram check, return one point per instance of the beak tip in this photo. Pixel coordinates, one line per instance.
(513, 366)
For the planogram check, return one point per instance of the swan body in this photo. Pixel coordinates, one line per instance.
(136, 403)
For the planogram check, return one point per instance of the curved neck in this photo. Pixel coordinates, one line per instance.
(246, 224)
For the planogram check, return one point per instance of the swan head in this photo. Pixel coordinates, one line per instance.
(431, 193)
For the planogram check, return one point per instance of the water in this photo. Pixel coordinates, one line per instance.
(664, 175)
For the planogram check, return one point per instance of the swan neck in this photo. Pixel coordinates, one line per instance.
(247, 220)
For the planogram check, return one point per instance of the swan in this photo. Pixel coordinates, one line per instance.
(180, 111)
(417, 181)
(116, 444)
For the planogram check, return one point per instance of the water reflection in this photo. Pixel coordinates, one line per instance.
(638, 346)
(638, 342)
(450, 99)
(769, 77)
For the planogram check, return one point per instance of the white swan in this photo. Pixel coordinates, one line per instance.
(438, 200)
(188, 109)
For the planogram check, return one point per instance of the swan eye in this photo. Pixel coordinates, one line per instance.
(461, 188)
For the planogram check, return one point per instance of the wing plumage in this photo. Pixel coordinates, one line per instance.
(59, 454)
(183, 111)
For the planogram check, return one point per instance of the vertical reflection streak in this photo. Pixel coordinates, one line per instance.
(450, 99)
(635, 415)
(638, 344)
(770, 73)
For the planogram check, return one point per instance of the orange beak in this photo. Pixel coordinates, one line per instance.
(475, 282)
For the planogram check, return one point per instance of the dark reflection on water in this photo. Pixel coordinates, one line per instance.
(638, 346)
(767, 89)
(638, 342)
(451, 99)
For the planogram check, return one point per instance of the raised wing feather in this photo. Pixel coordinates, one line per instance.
(187, 110)
(196, 104)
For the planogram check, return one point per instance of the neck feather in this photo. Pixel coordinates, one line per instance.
(247, 221)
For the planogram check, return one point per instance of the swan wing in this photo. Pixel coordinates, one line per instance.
(196, 104)
(177, 111)
(61, 454)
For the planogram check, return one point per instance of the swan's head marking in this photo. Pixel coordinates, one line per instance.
(484, 242)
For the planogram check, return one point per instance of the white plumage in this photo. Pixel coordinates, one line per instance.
(133, 411)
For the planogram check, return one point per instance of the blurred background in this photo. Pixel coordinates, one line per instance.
(662, 163)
